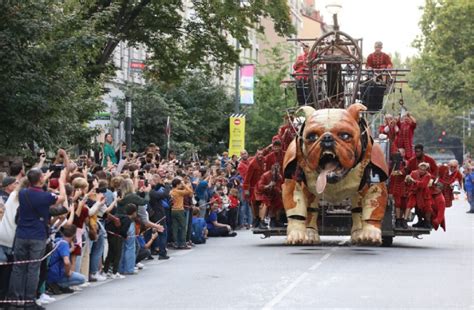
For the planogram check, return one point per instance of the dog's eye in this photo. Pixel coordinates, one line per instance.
(312, 137)
(345, 136)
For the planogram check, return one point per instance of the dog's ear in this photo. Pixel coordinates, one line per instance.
(354, 110)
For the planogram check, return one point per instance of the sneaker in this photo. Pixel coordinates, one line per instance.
(110, 275)
(163, 257)
(130, 273)
(262, 225)
(45, 298)
(85, 284)
(140, 266)
(233, 234)
(97, 277)
(118, 276)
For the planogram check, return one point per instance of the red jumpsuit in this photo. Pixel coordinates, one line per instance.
(419, 194)
(379, 60)
(447, 179)
(438, 206)
(271, 197)
(405, 137)
(243, 167)
(273, 158)
(286, 133)
(300, 66)
(414, 162)
(398, 189)
(391, 132)
(254, 171)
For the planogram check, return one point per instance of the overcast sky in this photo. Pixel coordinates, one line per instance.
(394, 22)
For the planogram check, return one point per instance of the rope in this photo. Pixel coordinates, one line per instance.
(30, 260)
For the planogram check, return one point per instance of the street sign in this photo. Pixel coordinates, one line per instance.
(137, 65)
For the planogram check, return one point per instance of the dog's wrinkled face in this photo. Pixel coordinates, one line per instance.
(332, 142)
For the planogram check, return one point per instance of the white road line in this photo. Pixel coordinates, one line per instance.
(297, 281)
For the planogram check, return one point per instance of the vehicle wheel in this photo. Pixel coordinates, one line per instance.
(387, 241)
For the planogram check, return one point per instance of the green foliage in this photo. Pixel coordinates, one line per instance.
(56, 57)
(45, 97)
(444, 73)
(271, 102)
(177, 42)
(199, 111)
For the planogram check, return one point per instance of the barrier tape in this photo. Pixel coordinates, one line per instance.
(20, 262)
(16, 301)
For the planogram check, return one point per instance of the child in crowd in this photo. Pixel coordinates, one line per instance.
(199, 228)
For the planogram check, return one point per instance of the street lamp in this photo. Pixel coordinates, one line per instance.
(334, 7)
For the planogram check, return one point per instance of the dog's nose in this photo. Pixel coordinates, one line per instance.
(327, 141)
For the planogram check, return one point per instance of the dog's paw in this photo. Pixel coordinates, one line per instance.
(368, 235)
(296, 232)
(312, 236)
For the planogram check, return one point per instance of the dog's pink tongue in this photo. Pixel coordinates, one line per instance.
(322, 181)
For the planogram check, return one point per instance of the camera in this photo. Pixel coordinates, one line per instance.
(56, 170)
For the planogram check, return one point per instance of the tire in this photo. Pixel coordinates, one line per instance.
(387, 241)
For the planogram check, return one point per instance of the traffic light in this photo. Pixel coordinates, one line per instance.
(443, 133)
(440, 140)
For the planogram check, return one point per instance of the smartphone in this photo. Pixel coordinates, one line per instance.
(141, 183)
(56, 170)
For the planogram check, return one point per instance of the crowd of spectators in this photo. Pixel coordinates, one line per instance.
(67, 222)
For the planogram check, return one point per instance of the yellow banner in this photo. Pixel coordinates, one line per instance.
(236, 134)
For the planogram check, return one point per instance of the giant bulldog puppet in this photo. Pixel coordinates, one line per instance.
(334, 158)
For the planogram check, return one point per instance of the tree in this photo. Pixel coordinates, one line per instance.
(44, 95)
(444, 72)
(199, 111)
(177, 42)
(271, 102)
(208, 107)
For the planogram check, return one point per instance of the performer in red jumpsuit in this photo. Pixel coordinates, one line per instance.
(404, 140)
(390, 129)
(378, 59)
(276, 155)
(268, 193)
(448, 177)
(438, 206)
(398, 190)
(255, 169)
(421, 157)
(300, 67)
(419, 194)
(286, 132)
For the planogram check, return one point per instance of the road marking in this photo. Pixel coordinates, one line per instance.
(297, 281)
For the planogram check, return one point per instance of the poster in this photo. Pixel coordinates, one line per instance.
(247, 73)
(236, 134)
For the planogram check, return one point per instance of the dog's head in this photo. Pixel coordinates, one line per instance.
(330, 140)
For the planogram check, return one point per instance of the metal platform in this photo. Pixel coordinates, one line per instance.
(281, 231)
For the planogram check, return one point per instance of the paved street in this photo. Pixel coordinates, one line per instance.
(249, 273)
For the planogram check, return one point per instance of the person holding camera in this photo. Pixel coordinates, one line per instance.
(31, 234)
